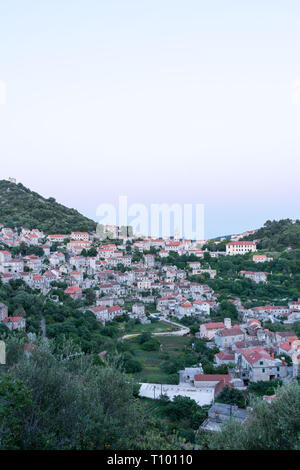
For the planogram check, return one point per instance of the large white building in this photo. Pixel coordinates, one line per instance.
(240, 247)
(80, 236)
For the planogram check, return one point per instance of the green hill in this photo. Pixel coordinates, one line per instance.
(20, 207)
(278, 235)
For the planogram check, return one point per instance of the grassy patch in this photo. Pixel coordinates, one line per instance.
(155, 327)
(151, 360)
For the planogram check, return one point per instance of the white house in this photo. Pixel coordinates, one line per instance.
(240, 247)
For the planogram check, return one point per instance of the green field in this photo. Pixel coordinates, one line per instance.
(151, 360)
(155, 327)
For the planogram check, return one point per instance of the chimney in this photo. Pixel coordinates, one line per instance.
(227, 322)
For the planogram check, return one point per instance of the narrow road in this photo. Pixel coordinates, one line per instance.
(183, 331)
(43, 327)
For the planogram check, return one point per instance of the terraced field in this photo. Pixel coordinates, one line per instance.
(151, 360)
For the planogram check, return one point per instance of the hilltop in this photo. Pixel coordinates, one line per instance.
(278, 235)
(19, 206)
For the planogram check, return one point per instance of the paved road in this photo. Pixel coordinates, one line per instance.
(43, 327)
(183, 329)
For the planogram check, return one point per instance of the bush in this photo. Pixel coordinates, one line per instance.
(151, 345)
(59, 401)
(144, 337)
(270, 426)
(132, 366)
(231, 396)
(187, 434)
(261, 388)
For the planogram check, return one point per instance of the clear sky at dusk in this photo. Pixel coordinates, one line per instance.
(163, 101)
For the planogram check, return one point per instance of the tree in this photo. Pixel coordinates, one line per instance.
(131, 365)
(151, 345)
(181, 408)
(231, 396)
(15, 404)
(261, 387)
(90, 296)
(73, 403)
(270, 426)
(146, 336)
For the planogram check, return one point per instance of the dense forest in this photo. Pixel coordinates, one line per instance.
(20, 207)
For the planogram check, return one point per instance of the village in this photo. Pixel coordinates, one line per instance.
(122, 269)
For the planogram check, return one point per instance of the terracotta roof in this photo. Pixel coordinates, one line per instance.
(12, 319)
(213, 378)
(72, 290)
(231, 332)
(114, 308)
(225, 356)
(256, 355)
(213, 326)
(240, 243)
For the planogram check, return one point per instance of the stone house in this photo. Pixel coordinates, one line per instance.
(14, 323)
(256, 365)
(226, 337)
(220, 413)
(209, 330)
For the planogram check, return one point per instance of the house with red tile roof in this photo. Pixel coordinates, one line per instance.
(281, 336)
(255, 364)
(215, 381)
(5, 256)
(104, 313)
(184, 309)
(14, 323)
(74, 291)
(224, 358)
(240, 247)
(255, 276)
(203, 306)
(226, 337)
(80, 236)
(208, 330)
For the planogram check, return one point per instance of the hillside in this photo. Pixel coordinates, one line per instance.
(278, 235)
(21, 207)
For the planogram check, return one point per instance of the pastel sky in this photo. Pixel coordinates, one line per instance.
(163, 101)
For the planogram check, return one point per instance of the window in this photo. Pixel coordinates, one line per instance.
(263, 370)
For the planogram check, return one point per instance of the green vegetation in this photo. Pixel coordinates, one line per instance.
(264, 388)
(135, 326)
(182, 415)
(232, 396)
(63, 320)
(161, 357)
(20, 207)
(270, 426)
(278, 326)
(58, 398)
(279, 240)
(278, 235)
